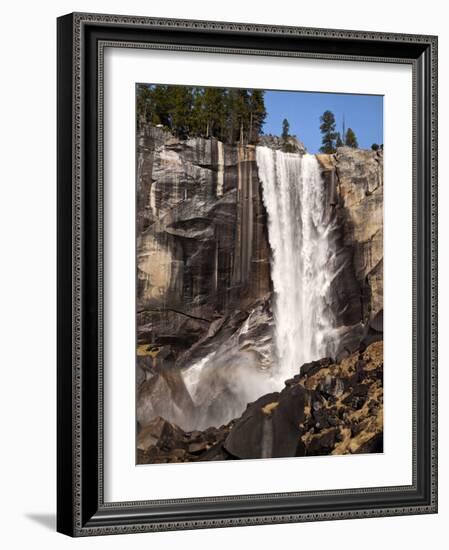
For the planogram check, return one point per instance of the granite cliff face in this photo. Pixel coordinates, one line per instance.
(204, 292)
(355, 179)
(202, 248)
(360, 186)
(203, 270)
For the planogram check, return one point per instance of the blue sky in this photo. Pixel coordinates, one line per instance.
(362, 113)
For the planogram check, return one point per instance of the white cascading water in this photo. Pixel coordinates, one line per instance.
(303, 257)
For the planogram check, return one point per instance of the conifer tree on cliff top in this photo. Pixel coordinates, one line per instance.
(351, 139)
(285, 129)
(228, 114)
(327, 128)
(257, 115)
(339, 142)
(287, 145)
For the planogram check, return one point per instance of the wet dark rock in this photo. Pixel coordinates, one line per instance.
(377, 373)
(322, 443)
(217, 452)
(317, 400)
(354, 401)
(356, 428)
(286, 419)
(373, 445)
(350, 340)
(158, 431)
(314, 366)
(360, 366)
(360, 390)
(198, 447)
(332, 387)
(320, 419)
(252, 434)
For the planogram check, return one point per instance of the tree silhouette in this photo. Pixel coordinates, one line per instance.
(213, 112)
(180, 107)
(287, 145)
(257, 114)
(285, 129)
(327, 128)
(351, 139)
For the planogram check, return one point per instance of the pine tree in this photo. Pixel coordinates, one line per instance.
(257, 115)
(242, 107)
(213, 111)
(285, 129)
(197, 122)
(339, 141)
(143, 104)
(287, 145)
(375, 147)
(161, 105)
(181, 105)
(350, 139)
(327, 128)
(233, 119)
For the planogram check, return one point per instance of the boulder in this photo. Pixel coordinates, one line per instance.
(270, 427)
(164, 394)
(252, 434)
(158, 431)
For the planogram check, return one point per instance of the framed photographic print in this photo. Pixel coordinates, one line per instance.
(246, 274)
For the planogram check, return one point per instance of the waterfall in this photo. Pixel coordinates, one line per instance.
(303, 255)
(243, 365)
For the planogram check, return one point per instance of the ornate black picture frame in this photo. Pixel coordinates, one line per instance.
(81, 510)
